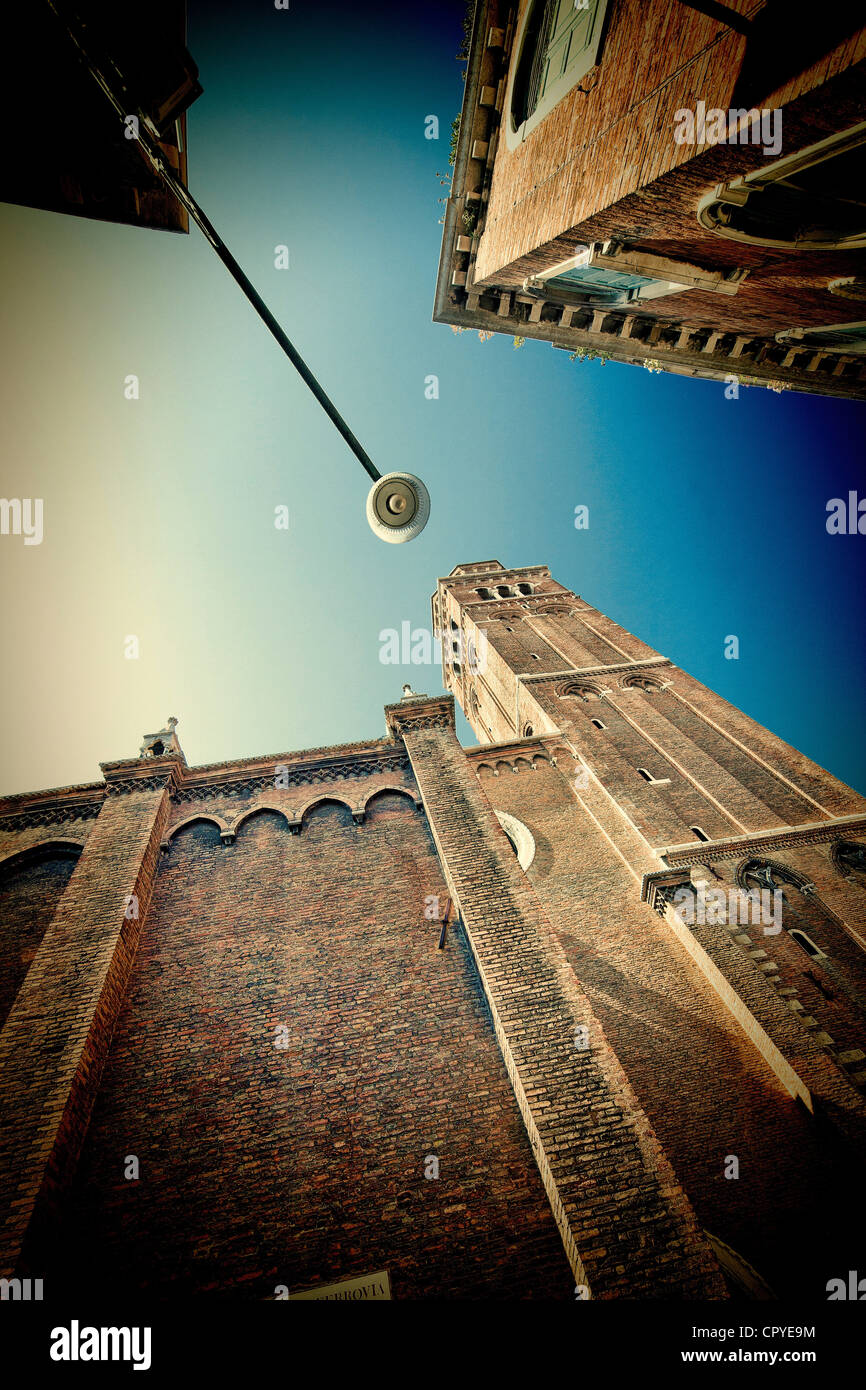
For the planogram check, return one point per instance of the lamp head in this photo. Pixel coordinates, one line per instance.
(398, 507)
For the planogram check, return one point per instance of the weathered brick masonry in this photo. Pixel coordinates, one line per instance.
(603, 168)
(56, 1037)
(735, 1042)
(231, 977)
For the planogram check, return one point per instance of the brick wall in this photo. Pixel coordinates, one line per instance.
(704, 1087)
(626, 1224)
(29, 893)
(718, 1029)
(54, 1042)
(262, 1166)
(604, 163)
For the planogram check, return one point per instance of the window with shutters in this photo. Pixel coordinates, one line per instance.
(557, 46)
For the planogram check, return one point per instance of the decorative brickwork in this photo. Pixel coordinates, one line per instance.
(339, 1026)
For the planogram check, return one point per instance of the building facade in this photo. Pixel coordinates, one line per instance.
(577, 1012)
(675, 185)
(96, 169)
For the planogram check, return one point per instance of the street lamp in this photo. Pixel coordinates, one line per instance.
(398, 504)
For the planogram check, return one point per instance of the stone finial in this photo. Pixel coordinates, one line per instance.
(162, 742)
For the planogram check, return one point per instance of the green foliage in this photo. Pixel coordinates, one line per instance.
(587, 354)
(466, 24)
(455, 136)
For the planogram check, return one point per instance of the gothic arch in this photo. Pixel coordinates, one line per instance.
(33, 881)
(316, 801)
(199, 816)
(255, 810)
(391, 791)
(35, 854)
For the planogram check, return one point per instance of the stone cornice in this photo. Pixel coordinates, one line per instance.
(304, 755)
(482, 752)
(409, 716)
(239, 778)
(664, 342)
(701, 358)
(759, 842)
(530, 571)
(145, 774)
(244, 780)
(57, 814)
(621, 668)
(51, 807)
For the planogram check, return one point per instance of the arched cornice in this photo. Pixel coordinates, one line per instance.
(331, 800)
(255, 810)
(393, 791)
(221, 825)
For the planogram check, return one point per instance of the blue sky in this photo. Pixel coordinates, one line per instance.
(707, 516)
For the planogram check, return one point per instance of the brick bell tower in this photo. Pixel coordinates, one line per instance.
(707, 884)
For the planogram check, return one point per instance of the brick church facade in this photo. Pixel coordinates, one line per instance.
(457, 1016)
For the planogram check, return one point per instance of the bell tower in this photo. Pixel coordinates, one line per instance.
(705, 880)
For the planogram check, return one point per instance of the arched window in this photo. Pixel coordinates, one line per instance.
(805, 942)
(455, 648)
(696, 830)
(813, 200)
(850, 857)
(503, 591)
(524, 588)
(581, 692)
(800, 904)
(598, 724)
